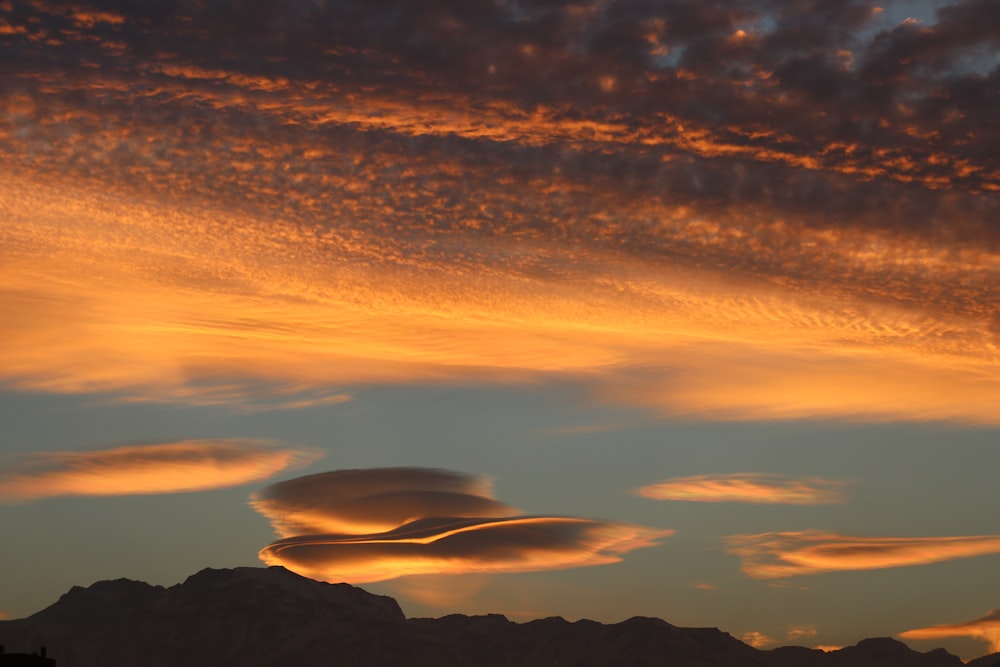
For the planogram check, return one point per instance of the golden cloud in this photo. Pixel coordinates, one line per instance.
(441, 523)
(211, 306)
(176, 467)
(732, 247)
(354, 502)
(757, 639)
(747, 488)
(789, 554)
(799, 632)
(986, 628)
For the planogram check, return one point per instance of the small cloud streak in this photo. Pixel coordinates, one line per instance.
(795, 633)
(373, 525)
(176, 467)
(799, 632)
(986, 628)
(757, 639)
(747, 488)
(789, 554)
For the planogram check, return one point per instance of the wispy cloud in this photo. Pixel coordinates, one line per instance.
(176, 467)
(789, 554)
(986, 628)
(396, 522)
(747, 488)
(800, 632)
(794, 635)
(757, 639)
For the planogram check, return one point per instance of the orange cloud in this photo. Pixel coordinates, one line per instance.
(354, 502)
(445, 591)
(757, 639)
(441, 523)
(211, 306)
(789, 554)
(190, 465)
(986, 628)
(799, 632)
(746, 488)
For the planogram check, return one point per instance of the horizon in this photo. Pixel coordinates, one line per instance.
(269, 568)
(581, 309)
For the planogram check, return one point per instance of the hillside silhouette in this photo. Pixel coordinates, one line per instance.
(262, 617)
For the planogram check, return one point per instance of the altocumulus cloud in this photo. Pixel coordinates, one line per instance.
(175, 467)
(747, 488)
(788, 554)
(394, 522)
(791, 206)
(986, 628)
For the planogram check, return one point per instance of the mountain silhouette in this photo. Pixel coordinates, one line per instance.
(270, 617)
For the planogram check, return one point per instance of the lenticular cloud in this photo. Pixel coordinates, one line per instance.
(372, 525)
(747, 488)
(174, 467)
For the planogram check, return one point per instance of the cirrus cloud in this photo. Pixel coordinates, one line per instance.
(788, 554)
(747, 488)
(397, 522)
(175, 467)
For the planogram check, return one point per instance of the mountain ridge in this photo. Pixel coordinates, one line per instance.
(262, 617)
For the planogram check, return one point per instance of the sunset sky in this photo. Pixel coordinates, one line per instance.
(585, 308)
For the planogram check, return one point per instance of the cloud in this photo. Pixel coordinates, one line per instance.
(795, 633)
(396, 522)
(444, 591)
(374, 500)
(176, 467)
(789, 554)
(757, 639)
(747, 488)
(799, 632)
(752, 210)
(986, 628)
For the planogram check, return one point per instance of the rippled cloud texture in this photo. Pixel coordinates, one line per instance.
(176, 467)
(986, 628)
(747, 488)
(789, 554)
(746, 210)
(394, 522)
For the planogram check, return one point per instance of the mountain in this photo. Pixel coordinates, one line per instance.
(256, 617)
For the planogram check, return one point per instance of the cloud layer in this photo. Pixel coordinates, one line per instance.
(789, 554)
(739, 210)
(176, 467)
(747, 488)
(986, 628)
(396, 522)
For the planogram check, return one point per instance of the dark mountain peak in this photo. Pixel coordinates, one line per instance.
(102, 596)
(260, 617)
(277, 589)
(991, 660)
(645, 621)
(889, 652)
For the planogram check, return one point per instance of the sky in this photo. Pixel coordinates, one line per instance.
(594, 309)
